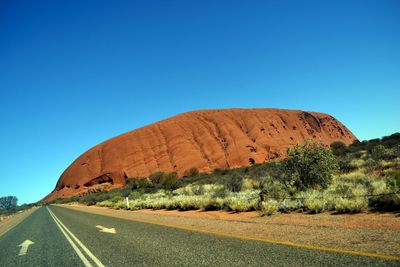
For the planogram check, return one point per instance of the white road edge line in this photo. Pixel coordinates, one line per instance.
(81, 256)
(88, 252)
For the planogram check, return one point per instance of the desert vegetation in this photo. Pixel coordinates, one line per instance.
(9, 205)
(362, 177)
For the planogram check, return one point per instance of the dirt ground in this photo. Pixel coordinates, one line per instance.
(373, 233)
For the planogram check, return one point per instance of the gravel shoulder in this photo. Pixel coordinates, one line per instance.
(372, 233)
(8, 222)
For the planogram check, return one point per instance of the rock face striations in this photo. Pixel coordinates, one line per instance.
(206, 140)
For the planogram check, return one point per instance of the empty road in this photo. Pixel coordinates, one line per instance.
(56, 236)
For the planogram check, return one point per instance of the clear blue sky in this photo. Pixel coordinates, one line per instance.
(75, 73)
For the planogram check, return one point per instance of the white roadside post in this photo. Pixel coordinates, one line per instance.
(127, 202)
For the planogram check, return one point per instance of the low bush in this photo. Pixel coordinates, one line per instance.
(250, 184)
(139, 183)
(381, 152)
(241, 204)
(357, 163)
(288, 205)
(234, 182)
(135, 195)
(338, 148)
(268, 207)
(393, 180)
(191, 172)
(88, 199)
(370, 165)
(215, 203)
(275, 190)
(351, 205)
(356, 177)
(120, 204)
(116, 197)
(105, 203)
(315, 202)
(243, 201)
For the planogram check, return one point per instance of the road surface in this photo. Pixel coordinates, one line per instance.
(56, 236)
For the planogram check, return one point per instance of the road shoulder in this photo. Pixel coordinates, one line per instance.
(14, 220)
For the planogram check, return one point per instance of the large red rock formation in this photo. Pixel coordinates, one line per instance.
(206, 140)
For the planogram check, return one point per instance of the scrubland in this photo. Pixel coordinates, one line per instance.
(362, 177)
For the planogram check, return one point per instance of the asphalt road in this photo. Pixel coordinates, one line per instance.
(65, 237)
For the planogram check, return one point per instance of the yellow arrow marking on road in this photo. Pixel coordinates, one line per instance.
(24, 247)
(106, 230)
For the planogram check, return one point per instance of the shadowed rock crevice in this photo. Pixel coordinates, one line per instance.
(105, 178)
(312, 121)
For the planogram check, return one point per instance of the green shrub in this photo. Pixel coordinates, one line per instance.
(219, 171)
(215, 203)
(139, 183)
(268, 207)
(345, 164)
(88, 199)
(338, 148)
(341, 188)
(309, 166)
(234, 183)
(386, 198)
(121, 204)
(370, 165)
(357, 163)
(191, 172)
(220, 192)
(241, 204)
(357, 177)
(124, 191)
(358, 191)
(157, 177)
(353, 205)
(249, 184)
(116, 197)
(380, 152)
(379, 187)
(393, 180)
(135, 195)
(197, 190)
(105, 203)
(170, 181)
(314, 202)
(275, 190)
(288, 205)
(212, 189)
(191, 202)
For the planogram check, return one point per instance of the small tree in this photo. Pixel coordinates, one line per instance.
(309, 166)
(8, 203)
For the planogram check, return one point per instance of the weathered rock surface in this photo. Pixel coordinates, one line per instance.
(206, 140)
